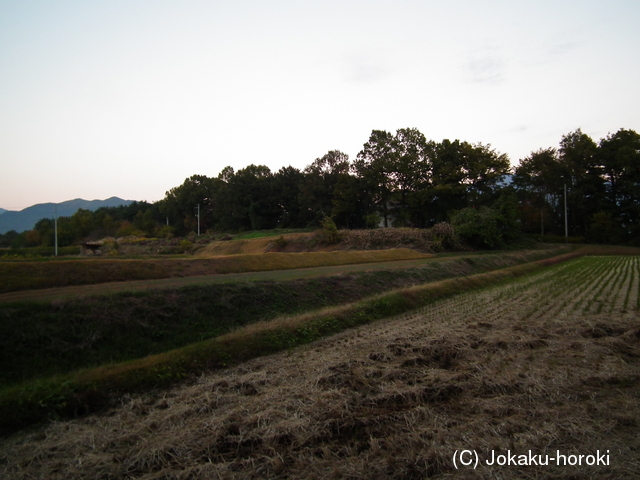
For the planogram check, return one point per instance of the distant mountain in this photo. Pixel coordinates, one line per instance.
(26, 219)
(2, 210)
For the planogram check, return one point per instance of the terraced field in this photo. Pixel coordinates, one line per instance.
(545, 363)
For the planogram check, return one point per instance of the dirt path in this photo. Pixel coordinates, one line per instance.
(531, 367)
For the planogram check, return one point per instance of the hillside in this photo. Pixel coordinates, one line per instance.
(26, 219)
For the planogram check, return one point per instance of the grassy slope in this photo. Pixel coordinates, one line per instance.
(70, 292)
(83, 391)
(41, 339)
(15, 276)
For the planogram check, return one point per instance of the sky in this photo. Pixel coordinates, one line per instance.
(129, 98)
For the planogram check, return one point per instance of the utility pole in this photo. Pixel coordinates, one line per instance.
(55, 228)
(566, 221)
(198, 219)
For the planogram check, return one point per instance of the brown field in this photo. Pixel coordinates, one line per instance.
(544, 363)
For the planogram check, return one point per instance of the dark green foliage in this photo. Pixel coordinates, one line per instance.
(602, 193)
(478, 227)
(40, 339)
(486, 227)
(329, 232)
(7, 239)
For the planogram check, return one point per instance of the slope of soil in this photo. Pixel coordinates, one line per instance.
(546, 363)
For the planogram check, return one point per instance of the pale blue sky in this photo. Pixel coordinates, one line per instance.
(128, 98)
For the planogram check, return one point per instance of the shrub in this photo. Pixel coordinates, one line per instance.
(280, 242)
(444, 235)
(478, 227)
(126, 229)
(185, 245)
(165, 231)
(329, 232)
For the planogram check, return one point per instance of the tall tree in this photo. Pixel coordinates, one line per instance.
(414, 157)
(319, 183)
(539, 180)
(352, 204)
(250, 200)
(287, 183)
(376, 165)
(464, 175)
(485, 168)
(585, 185)
(180, 204)
(619, 155)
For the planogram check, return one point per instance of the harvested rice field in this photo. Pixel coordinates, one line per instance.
(542, 369)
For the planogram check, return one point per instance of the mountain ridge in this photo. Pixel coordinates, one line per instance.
(27, 218)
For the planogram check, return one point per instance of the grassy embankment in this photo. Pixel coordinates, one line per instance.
(40, 339)
(252, 252)
(23, 275)
(81, 391)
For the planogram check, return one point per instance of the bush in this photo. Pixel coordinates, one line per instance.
(280, 242)
(129, 230)
(478, 227)
(329, 233)
(165, 232)
(444, 236)
(185, 245)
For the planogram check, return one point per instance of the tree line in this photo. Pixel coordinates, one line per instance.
(400, 179)
(602, 182)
